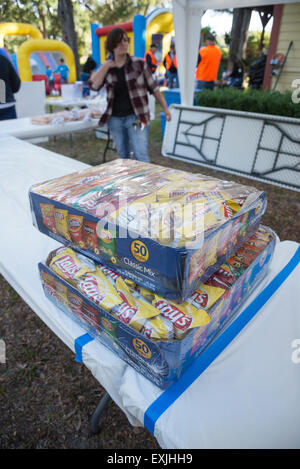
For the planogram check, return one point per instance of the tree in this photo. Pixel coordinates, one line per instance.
(109, 12)
(239, 32)
(41, 14)
(65, 13)
(253, 46)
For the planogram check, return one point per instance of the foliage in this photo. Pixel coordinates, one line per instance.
(43, 15)
(109, 12)
(253, 45)
(258, 101)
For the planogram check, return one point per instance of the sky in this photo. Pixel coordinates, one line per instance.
(221, 22)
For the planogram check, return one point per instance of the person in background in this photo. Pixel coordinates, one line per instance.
(87, 71)
(88, 68)
(150, 58)
(50, 79)
(10, 83)
(235, 75)
(128, 80)
(256, 72)
(63, 70)
(209, 59)
(170, 64)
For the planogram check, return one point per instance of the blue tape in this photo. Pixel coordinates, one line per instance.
(79, 343)
(167, 398)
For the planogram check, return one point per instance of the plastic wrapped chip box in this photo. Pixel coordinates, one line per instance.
(165, 229)
(159, 338)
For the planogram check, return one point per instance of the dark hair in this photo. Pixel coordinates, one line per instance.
(210, 37)
(89, 65)
(114, 38)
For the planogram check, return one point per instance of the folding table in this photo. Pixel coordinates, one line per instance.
(24, 129)
(243, 392)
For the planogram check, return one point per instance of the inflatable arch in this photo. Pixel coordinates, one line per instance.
(160, 29)
(18, 29)
(34, 45)
(157, 26)
(103, 32)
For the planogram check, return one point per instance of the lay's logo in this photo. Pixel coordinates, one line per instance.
(109, 273)
(125, 312)
(227, 210)
(199, 300)
(89, 286)
(75, 303)
(68, 266)
(195, 196)
(177, 317)
(74, 223)
(59, 215)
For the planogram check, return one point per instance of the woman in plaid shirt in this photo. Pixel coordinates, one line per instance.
(128, 79)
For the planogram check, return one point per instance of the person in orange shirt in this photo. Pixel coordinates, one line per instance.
(170, 64)
(150, 58)
(209, 59)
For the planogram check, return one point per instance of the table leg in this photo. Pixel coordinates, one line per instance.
(94, 423)
(107, 147)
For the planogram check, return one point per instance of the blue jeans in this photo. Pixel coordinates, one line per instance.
(126, 136)
(8, 113)
(205, 85)
(172, 78)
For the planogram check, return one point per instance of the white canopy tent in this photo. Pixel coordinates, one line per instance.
(187, 16)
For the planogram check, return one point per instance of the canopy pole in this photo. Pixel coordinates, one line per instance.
(187, 24)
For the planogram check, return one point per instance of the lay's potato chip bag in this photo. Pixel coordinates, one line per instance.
(61, 223)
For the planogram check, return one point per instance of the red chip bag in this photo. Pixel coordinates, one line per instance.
(47, 211)
(90, 237)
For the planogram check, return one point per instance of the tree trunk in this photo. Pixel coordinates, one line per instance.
(239, 32)
(42, 15)
(65, 13)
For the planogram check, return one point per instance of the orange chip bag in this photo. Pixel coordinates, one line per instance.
(47, 211)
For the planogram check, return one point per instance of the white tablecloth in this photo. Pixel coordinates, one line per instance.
(68, 102)
(247, 398)
(23, 128)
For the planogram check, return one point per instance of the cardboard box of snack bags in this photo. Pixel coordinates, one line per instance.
(158, 337)
(164, 229)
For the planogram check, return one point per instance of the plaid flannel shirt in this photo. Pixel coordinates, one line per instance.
(139, 81)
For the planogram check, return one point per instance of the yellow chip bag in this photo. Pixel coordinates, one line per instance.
(158, 328)
(62, 293)
(182, 316)
(123, 290)
(67, 265)
(97, 288)
(61, 223)
(203, 298)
